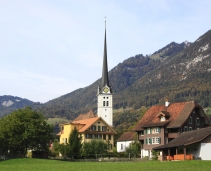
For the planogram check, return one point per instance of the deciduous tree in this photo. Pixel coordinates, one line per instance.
(24, 129)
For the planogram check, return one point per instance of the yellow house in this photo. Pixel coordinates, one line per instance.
(91, 128)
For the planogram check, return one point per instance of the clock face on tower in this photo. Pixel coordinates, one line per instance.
(106, 89)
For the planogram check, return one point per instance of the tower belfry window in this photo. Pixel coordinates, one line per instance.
(107, 103)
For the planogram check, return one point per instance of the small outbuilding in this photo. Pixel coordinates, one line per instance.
(125, 140)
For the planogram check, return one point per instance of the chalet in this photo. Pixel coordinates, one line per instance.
(188, 145)
(161, 124)
(125, 140)
(89, 127)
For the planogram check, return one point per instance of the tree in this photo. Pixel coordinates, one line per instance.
(24, 129)
(75, 143)
(94, 147)
(134, 148)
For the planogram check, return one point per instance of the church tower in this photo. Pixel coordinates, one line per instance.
(105, 95)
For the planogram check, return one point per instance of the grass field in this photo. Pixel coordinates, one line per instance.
(56, 120)
(53, 165)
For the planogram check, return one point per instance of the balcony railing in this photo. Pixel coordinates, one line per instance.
(173, 135)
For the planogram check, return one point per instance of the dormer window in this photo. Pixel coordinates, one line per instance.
(162, 118)
(163, 115)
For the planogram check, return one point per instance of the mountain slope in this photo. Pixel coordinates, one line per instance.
(183, 76)
(121, 77)
(11, 103)
(179, 72)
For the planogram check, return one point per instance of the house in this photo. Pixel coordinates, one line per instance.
(161, 124)
(188, 145)
(89, 128)
(125, 140)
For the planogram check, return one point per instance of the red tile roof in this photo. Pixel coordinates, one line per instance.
(89, 122)
(177, 114)
(88, 115)
(127, 136)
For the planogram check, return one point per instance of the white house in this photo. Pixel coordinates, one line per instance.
(125, 140)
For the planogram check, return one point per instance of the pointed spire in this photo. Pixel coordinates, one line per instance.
(105, 65)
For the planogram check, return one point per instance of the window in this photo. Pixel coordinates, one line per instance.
(185, 129)
(104, 128)
(104, 137)
(162, 118)
(103, 103)
(197, 121)
(155, 140)
(99, 136)
(190, 128)
(110, 147)
(107, 103)
(155, 130)
(98, 128)
(148, 131)
(93, 128)
(109, 137)
(190, 120)
(121, 146)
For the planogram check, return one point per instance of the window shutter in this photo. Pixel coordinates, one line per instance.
(159, 140)
(150, 130)
(146, 131)
(146, 141)
(150, 141)
(159, 129)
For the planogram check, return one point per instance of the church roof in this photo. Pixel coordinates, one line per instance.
(88, 115)
(105, 79)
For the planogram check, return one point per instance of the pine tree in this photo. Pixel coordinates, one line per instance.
(75, 143)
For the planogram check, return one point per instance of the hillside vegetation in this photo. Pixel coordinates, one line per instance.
(179, 72)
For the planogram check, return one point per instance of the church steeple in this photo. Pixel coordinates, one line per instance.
(105, 94)
(105, 81)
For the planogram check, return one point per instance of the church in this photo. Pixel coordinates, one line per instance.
(89, 125)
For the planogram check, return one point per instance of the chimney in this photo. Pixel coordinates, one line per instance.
(167, 103)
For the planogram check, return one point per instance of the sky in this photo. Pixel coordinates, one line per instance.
(49, 48)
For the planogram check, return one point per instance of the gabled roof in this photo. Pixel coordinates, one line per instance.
(127, 136)
(177, 114)
(89, 122)
(88, 115)
(187, 138)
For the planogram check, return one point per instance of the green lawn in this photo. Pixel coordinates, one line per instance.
(56, 120)
(53, 165)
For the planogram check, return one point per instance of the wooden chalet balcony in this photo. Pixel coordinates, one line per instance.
(173, 135)
(141, 137)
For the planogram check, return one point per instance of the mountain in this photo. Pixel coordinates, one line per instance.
(179, 72)
(11, 103)
(122, 77)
